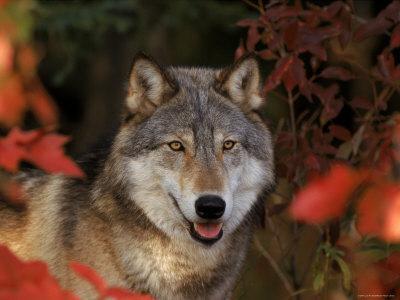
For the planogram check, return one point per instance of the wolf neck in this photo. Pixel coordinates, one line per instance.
(155, 263)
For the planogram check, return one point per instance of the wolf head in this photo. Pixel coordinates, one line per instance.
(192, 154)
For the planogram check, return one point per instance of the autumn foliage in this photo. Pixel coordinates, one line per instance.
(31, 280)
(21, 91)
(337, 150)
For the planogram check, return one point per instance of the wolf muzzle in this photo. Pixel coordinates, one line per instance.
(210, 207)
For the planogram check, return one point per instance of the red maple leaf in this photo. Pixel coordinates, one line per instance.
(325, 197)
(44, 150)
(27, 280)
(100, 285)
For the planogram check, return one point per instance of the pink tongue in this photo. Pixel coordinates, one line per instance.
(208, 230)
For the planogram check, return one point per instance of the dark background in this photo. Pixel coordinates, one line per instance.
(88, 47)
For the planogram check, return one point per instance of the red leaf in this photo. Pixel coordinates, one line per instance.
(386, 64)
(91, 276)
(266, 54)
(340, 132)
(290, 35)
(337, 73)
(325, 197)
(43, 107)
(240, 50)
(47, 153)
(395, 38)
(331, 109)
(252, 38)
(391, 11)
(379, 211)
(100, 285)
(280, 11)
(11, 152)
(361, 102)
(43, 150)
(316, 50)
(247, 22)
(325, 95)
(346, 25)
(12, 102)
(6, 54)
(328, 12)
(295, 75)
(373, 27)
(27, 280)
(27, 61)
(276, 76)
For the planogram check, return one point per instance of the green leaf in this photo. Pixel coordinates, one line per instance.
(357, 139)
(345, 150)
(344, 268)
(319, 281)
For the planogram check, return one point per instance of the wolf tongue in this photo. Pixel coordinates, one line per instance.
(208, 230)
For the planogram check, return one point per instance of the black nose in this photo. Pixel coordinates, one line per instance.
(210, 207)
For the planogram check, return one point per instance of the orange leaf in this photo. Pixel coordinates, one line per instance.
(395, 38)
(12, 102)
(100, 285)
(27, 60)
(46, 152)
(27, 280)
(43, 107)
(240, 51)
(325, 197)
(6, 54)
(43, 150)
(379, 212)
(11, 152)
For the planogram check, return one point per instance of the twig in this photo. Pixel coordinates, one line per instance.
(275, 234)
(293, 121)
(261, 6)
(275, 266)
(248, 2)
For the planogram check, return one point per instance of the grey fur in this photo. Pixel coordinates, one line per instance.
(129, 245)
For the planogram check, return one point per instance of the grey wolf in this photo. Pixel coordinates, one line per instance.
(173, 209)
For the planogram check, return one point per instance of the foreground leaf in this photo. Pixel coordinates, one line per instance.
(27, 280)
(39, 148)
(325, 197)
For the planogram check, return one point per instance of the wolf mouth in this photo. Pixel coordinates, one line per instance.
(202, 239)
(195, 233)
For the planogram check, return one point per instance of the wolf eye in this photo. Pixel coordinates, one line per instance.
(228, 145)
(176, 146)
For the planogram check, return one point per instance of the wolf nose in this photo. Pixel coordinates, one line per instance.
(210, 207)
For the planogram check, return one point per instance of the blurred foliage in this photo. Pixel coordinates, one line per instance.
(77, 28)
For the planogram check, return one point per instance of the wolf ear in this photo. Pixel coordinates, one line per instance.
(241, 83)
(149, 86)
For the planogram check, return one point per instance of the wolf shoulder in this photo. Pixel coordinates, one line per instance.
(48, 211)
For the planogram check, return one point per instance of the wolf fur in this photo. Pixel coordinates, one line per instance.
(132, 223)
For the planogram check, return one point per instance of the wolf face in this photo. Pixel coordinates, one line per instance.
(193, 154)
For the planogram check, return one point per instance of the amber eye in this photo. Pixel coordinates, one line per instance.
(228, 145)
(176, 146)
